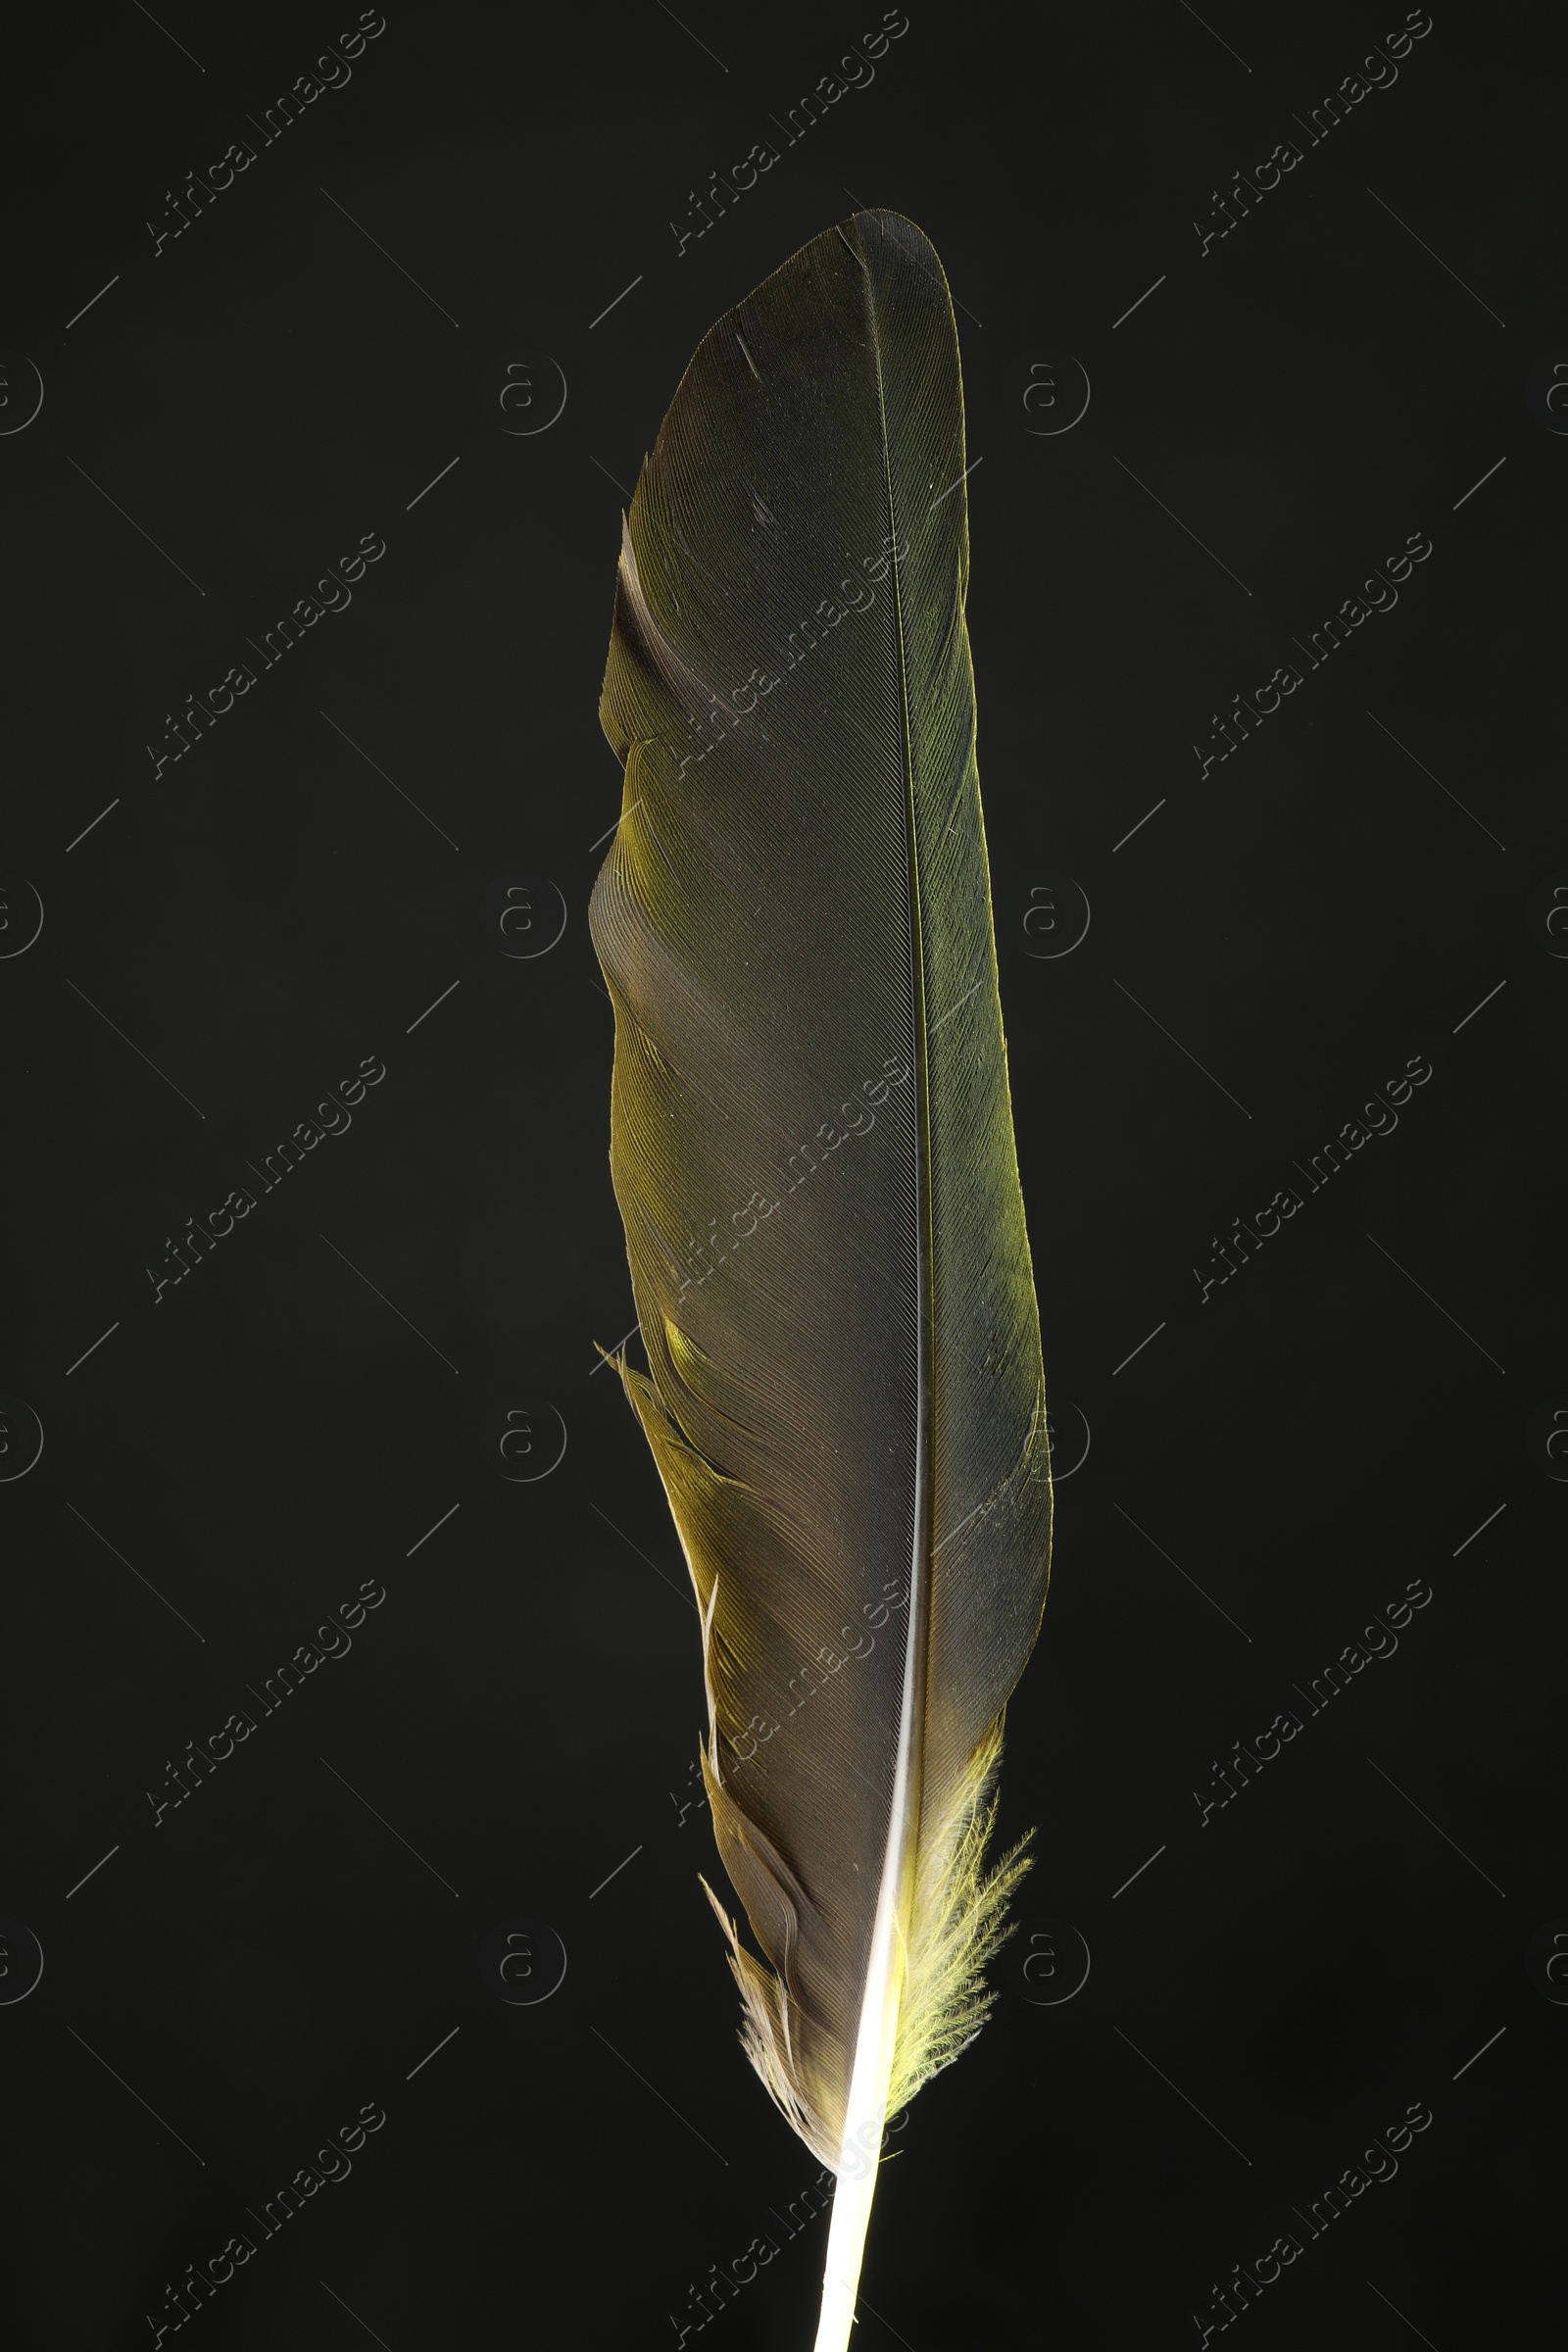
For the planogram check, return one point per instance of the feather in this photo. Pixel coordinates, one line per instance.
(813, 1152)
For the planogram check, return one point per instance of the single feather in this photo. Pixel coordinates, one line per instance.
(812, 1151)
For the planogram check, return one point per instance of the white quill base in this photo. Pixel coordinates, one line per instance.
(866, 2118)
(846, 2244)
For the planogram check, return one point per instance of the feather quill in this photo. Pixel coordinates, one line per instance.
(813, 1152)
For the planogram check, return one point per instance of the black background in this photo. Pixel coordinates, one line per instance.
(297, 369)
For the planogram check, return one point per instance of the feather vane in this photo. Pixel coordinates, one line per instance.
(813, 1152)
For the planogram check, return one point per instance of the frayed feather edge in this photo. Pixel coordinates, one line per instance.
(958, 1923)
